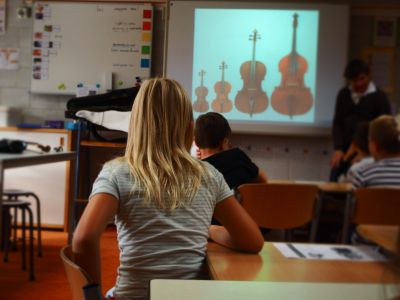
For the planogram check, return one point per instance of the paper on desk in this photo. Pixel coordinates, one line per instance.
(329, 252)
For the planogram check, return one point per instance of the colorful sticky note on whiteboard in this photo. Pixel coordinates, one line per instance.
(146, 37)
(147, 14)
(146, 25)
(145, 63)
(145, 49)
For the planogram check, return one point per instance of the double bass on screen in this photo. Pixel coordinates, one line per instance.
(292, 97)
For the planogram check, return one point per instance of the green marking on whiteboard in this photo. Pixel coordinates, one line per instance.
(61, 86)
(120, 82)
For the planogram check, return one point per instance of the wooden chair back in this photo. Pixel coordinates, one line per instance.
(378, 206)
(77, 277)
(279, 206)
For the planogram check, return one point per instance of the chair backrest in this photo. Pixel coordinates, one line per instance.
(279, 206)
(379, 206)
(77, 277)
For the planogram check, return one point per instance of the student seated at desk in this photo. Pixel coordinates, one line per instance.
(384, 146)
(212, 133)
(162, 200)
(360, 156)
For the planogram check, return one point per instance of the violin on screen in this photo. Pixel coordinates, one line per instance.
(222, 88)
(292, 97)
(251, 98)
(201, 104)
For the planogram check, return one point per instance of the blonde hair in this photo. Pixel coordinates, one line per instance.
(159, 140)
(385, 132)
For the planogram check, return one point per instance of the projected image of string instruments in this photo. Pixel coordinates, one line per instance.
(201, 104)
(292, 97)
(222, 88)
(251, 98)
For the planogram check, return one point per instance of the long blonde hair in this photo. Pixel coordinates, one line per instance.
(159, 140)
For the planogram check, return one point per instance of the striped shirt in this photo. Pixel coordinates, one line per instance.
(155, 243)
(383, 173)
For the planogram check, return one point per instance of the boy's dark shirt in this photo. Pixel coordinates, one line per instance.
(235, 166)
(348, 115)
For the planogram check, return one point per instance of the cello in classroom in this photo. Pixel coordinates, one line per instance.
(251, 98)
(201, 104)
(222, 88)
(292, 97)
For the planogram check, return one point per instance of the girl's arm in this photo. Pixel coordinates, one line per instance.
(86, 239)
(240, 232)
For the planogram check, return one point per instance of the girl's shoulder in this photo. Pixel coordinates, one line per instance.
(116, 167)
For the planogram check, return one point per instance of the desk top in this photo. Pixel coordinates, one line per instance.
(238, 290)
(384, 236)
(271, 265)
(334, 187)
(28, 158)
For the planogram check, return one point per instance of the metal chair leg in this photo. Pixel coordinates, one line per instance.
(31, 248)
(38, 224)
(23, 239)
(6, 237)
(14, 228)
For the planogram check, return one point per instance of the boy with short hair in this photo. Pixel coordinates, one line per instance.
(212, 134)
(362, 156)
(384, 146)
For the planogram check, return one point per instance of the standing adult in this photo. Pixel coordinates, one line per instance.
(359, 101)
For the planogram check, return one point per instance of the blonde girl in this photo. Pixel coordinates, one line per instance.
(162, 200)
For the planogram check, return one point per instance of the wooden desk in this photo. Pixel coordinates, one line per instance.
(333, 187)
(271, 265)
(8, 161)
(238, 290)
(384, 236)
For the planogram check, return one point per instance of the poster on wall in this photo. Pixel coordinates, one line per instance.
(381, 61)
(2, 16)
(9, 58)
(385, 32)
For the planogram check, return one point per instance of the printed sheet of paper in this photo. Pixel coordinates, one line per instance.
(329, 252)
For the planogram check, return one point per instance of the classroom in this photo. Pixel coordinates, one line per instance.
(287, 100)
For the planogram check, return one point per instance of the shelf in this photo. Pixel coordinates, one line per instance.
(102, 144)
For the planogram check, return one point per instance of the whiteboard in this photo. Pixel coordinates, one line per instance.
(100, 45)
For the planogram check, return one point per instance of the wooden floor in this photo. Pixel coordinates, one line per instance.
(51, 280)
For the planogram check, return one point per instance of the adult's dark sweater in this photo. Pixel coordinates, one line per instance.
(348, 114)
(236, 167)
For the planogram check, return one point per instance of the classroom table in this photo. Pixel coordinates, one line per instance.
(169, 289)
(271, 265)
(28, 158)
(384, 235)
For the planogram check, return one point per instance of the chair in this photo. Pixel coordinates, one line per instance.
(372, 206)
(24, 207)
(77, 277)
(15, 194)
(280, 206)
(377, 206)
